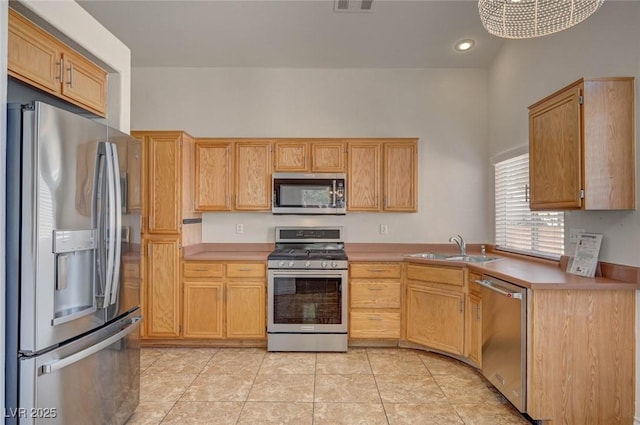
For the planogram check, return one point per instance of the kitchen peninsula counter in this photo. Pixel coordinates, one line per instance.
(527, 272)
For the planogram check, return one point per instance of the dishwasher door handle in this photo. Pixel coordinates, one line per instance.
(489, 285)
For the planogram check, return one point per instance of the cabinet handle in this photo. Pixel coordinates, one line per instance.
(461, 306)
(71, 74)
(375, 318)
(201, 269)
(150, 222)
(375, 288)
(477, 311)
(376, 270)
(244, 269)
(60, 70)
(526, 193)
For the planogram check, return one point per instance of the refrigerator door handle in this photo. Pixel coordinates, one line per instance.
(111, 234)
(74, 358)
(118, 226)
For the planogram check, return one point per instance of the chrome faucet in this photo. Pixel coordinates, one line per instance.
(461, 244)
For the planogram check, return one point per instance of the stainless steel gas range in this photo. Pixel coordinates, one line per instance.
(307, 290)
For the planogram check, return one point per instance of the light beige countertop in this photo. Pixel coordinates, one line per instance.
(520, 270)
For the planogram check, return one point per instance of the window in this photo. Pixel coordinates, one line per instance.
(519, 229)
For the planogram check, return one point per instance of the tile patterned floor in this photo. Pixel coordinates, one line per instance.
(364, 386)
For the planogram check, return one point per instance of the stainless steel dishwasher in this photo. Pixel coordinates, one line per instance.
(504, 338)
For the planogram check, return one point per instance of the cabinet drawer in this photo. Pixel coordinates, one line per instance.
(246, 270)
(375, 294)
(203, 269)
(131, 271)
(374, 325)
(450, 276)
(375, 270)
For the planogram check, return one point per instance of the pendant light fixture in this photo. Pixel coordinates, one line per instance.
(533, 18)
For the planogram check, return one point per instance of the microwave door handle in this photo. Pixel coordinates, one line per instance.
(334, 194)
(117, 212)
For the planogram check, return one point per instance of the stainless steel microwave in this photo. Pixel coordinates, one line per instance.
(316, 193)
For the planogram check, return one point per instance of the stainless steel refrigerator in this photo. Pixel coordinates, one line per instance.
(72, 325)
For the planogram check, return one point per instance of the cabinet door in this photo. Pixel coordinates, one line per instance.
(291, 156)
(327, 157)
(33, 56)
(246, 309)
(163, 287)
(203, 309)
(555, 164)
(435, 318)
(84, 82)
(400, 177)
(213, 175)
(163, 183)
(474, 322)
(253, 175)
(134, 175)
(363, 180)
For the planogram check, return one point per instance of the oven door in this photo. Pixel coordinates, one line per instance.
(307, 301)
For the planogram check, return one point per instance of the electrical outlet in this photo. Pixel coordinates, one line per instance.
(384, 229)
(239, 228)
(574, 234)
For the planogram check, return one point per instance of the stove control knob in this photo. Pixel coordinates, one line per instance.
(323, 264)
(334, 264)
(307, 264)
(291, 263)
(281, 264)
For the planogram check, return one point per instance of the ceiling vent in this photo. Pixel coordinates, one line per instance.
(353, 5)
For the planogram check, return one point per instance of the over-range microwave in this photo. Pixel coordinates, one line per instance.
(315, 193)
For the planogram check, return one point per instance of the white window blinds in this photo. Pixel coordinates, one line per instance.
(517, 227)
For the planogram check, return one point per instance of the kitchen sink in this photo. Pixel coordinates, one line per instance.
(431, 255)
(471, 258)
(453, 257)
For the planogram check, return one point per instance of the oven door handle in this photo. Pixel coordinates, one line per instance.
(298, 272)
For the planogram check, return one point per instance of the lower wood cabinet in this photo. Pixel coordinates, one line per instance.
(203, 309)
(224, 300)
(435, 307)
(162, 299)
(375, 300)
(473, 344)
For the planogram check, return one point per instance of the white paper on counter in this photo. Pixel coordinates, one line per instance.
(585, 260)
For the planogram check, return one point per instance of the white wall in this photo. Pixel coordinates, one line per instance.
(527, 70)
(445, 108)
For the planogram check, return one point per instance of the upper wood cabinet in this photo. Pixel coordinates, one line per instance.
(232, 175)
(400, 176)
(581, 147)
(382, 175)
(315, 156)
(40, 60)
(213, 177)
(167, 180)
(253, 175)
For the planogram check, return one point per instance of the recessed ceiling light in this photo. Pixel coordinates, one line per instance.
(464, 45)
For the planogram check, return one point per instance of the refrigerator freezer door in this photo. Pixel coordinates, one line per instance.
(94, 380)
